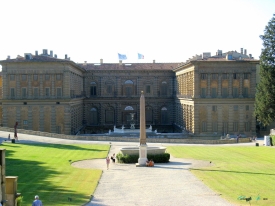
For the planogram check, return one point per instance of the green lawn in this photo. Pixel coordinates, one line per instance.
(235, 171)
(44, 169)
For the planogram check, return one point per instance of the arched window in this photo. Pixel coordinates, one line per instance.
(149, 115)
(93, 89)
(163, 88)
(109, 87)
(109, 115)
(129, 108)
(164, 115)
(94, 118)
(129, 87)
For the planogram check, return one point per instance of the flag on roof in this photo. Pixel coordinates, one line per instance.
(140, 56)
(122, 56)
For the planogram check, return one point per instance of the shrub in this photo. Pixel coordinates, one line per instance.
(157, 158)
(19, 201)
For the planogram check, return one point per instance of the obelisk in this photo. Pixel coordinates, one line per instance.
(142, 136)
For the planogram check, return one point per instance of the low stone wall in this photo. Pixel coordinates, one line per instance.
(162, 139)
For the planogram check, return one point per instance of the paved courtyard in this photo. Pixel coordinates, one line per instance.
(126, 184)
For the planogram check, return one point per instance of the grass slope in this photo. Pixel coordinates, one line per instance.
(45, 170)
(236, 171)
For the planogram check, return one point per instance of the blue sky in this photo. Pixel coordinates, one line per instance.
(165, 31)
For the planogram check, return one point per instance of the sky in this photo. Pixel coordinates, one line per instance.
(164, 31)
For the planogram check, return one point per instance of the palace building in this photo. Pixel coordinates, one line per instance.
(206, 95)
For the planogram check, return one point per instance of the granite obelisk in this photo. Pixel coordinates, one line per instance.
(142, 136)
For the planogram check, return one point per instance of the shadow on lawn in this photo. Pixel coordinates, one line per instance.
(56, 146)
(252, 173)
(34, 176)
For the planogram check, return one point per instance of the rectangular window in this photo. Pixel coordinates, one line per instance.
(204, 126)
(72, 93)
(35, 77)
(12, 77)
(93, 90)
(214, 76)
(224, 76)
(12, 93)
(235, 126)
(246, 75)
(109, 89)
(225, 127)
(25, 122)
(58, 77)
(148, 89)
(235, 92)
(214, 126)
(203, 76)
(203, 92)
(24, 77)
(214, 108)
(245, 92)
(247, 126)
(24, 92)
(47, 77)
(224, 92)
(213, 92)
(35, 92)
(47, 92)
(128, 91)
(234, 76)
(247, 107)
(236, 108)
(58, 92)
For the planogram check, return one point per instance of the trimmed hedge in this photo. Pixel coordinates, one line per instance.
(157, 158)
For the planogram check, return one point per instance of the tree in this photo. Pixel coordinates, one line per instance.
(265, 95)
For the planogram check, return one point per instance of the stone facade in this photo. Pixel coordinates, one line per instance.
(213, 95)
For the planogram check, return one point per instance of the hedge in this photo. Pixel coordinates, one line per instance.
(157, 158)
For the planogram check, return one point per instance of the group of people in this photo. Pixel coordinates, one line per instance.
(113, 158)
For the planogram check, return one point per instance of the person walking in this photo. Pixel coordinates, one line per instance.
(107, 162)
(36, 201)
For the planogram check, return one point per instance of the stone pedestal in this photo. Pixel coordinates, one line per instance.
(142, 155)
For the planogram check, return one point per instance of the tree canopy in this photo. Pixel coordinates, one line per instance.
(265, 95)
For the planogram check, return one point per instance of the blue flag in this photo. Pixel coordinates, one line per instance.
(122, 56)
(140, 56)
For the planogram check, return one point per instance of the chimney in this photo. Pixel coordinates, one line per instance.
(120, 62)
(101, 61)
(241, 50)
(36, 53)
(51, 53)
(45, 51)
(205, 55)
(55, 56)
(245, 51)
(154, 61)
(65, 56)
(8, 57)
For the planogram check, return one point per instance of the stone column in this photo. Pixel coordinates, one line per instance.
(30, 126)
(41, 119)
(53, 120)
(241, 86)
(208, 95)
(219, 85)
(142, 138)
(230, 87)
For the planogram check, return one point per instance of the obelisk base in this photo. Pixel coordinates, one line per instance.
(142, 156)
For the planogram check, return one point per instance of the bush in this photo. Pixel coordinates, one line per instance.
(19, 201)
(272, 140)
(157, 158)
